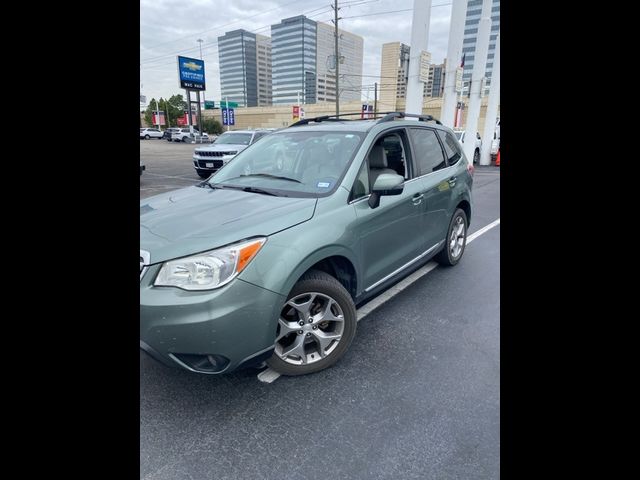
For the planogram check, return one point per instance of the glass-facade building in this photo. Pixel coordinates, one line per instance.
(237, 58)
(293, 57)
(474, 11)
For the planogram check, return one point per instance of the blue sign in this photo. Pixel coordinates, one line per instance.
(191, 73)
(228, 116)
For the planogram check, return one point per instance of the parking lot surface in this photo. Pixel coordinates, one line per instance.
(417, 396)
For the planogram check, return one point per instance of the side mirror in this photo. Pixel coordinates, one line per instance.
(385, 184)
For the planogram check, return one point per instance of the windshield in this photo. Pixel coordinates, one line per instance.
(234, 139)
(293, 163)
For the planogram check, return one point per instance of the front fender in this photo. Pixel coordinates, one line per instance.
(288, 254)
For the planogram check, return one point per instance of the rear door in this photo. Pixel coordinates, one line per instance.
(431, 167)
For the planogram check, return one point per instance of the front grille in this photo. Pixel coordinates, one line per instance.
(216, 163)
(214, 154)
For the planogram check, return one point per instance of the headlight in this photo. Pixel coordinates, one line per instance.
(209, 270)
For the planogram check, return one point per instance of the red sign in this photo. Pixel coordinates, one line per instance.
(296, 112)
(155, 118)
(184, 120)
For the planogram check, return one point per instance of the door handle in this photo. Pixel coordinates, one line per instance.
(452, 181)
(417, 198)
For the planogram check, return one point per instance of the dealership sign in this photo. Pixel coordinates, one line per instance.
(191, 73)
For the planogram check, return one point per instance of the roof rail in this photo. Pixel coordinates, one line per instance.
(326, 118)
(422, 118)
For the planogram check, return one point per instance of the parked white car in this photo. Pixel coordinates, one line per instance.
(460, 135)
(147, 133)
(209, 159)
(184, 135)
(495, 143)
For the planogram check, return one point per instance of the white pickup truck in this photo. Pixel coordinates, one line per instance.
(460, 135)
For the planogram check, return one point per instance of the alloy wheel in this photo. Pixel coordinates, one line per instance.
(457, 238)
(309, 328)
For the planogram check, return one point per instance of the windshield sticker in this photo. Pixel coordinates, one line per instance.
(324, 184)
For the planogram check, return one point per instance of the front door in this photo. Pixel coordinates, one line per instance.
(391, 235)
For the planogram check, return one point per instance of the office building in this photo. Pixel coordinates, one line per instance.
(474, 11)
(435, 85)
(263, 61)
(394, 72)
(351, 59)
(293, 60)
(303, 64)
(237, 56)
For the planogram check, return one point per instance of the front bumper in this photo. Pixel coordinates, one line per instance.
(236, 323)
(210, 164)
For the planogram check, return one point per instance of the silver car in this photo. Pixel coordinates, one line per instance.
(210, 158)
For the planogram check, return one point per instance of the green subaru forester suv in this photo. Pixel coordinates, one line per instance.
(268, 258)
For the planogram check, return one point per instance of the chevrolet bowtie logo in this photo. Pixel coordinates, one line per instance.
(192, 66)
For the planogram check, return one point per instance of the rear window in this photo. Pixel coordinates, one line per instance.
(451, 147)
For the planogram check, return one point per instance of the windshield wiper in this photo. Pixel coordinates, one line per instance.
(271, 176)
(244, 189)
(258, 190)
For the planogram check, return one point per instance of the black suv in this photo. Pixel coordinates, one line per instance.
(168, 132)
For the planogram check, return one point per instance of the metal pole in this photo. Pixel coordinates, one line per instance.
(479, 65)
(375, 100)
(190, 123)
(198, 98)
(419, 39)
(492, 108)
(157, 114)
(199, 115)
(337, 55)
(449, 112)
(166, 107)
(200, 42)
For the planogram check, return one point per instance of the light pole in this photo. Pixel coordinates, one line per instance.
(198, 95)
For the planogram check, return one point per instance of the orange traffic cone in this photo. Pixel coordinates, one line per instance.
(498, 159)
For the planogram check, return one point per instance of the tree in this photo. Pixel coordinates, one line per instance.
(175, 107)
(211, 125)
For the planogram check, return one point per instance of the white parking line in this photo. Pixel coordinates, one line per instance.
(269, 375)
(172, 176)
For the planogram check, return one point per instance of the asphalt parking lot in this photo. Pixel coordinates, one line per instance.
(417, 396)
(168, 166)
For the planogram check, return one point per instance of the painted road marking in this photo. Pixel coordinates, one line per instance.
(269, 375)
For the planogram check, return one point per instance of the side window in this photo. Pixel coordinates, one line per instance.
(429, 156)
(257, 137)
(361, 185)
(451, 147)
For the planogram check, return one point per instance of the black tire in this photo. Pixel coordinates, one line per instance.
(147, 137)
(184, 139)
(321, 282)
(445, 256)
(476, 156)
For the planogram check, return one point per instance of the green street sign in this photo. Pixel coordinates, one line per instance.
(231, 105)
(209, 104)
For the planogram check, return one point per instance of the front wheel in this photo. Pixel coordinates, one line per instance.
(456, 240)
(147, 137)
(315, 327)
(476, 156)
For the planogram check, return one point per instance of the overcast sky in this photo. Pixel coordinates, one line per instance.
(168, 29)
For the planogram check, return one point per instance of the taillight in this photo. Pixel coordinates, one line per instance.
(470, 169)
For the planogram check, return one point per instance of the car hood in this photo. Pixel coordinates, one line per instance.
(196, 219)
(226, 147)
